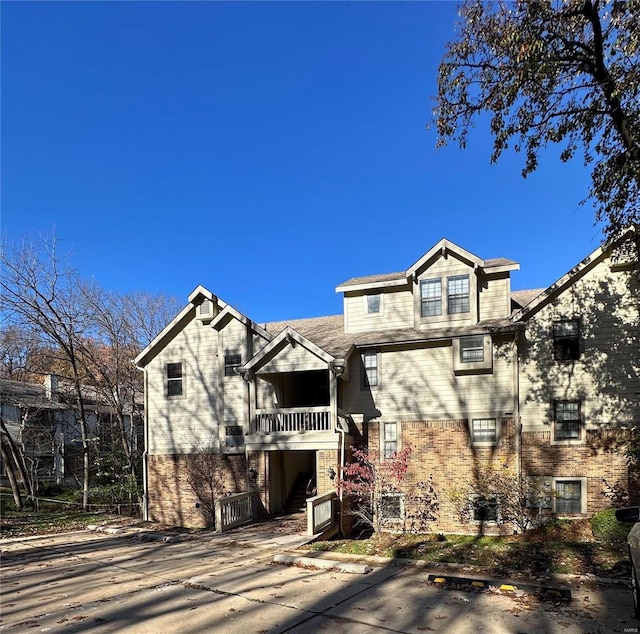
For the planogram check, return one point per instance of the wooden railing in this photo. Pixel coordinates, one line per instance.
(234, 510)
(320, 513)
(292, 419)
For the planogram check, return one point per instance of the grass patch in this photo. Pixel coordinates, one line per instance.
(556, 549)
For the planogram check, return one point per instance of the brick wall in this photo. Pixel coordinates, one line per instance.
(600, 458)
(172, 499)
(442, 449)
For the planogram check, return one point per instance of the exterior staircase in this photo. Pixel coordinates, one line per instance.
(297, 500)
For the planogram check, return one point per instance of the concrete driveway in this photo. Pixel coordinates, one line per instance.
(97, 582)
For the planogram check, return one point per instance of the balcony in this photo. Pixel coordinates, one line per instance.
(293, 428)
(292, 419)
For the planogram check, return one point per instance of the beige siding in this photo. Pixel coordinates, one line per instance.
(419, 384)
(181, 424)
(396, 311)
(232, 340)
(606, 377)
(293, 359)
(495, 301)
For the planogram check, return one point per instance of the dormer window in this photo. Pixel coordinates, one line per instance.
(431, 297)
(458, 294)
(373, 304)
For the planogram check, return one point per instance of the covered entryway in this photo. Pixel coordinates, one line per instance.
(292, 480)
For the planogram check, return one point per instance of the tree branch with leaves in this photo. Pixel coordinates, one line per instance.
(552, 72)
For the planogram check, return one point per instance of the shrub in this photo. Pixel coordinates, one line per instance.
(607, 529)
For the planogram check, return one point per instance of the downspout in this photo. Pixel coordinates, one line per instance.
(342, 451)
(516, 407)
(145, 453)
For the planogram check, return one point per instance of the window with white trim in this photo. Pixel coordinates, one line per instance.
(370, 369)
(431, 297)
(471, 349)
(472, 354)
(373, 303)
(389, 439)
(566, 339)
(234, 438)
(484, 430)
(231, 362)
(174, 379)
(568, 497)
(458, 294)
(567, 422)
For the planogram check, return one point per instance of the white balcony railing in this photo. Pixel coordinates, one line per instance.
(234, 510)
(292, 419)
(320, 513)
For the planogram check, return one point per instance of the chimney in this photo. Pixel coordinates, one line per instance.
(51, 387)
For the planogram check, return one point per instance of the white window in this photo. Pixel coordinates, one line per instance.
(231, 362)
(567, 421)
(566, 339)
(431, 297)
(373, 304)
(458, 294)
(570, 496)
(370, 369)
(484, 431)
(233, 437)
(472, 354)
(389, 439)
(472, 349)
(174, 379)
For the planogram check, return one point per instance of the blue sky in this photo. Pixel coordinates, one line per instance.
(268, 151)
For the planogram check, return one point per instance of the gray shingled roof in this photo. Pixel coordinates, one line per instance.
(522, 298)
(26, 395)
(328, 333)
(371, 279)
(402, 275)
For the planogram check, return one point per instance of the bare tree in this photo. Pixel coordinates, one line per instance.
(41, 290)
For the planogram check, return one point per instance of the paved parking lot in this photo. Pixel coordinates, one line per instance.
(98, 582)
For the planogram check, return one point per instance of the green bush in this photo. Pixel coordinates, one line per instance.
(607, 529)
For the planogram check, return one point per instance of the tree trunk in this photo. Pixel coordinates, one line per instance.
(11, 475)
(18, 459)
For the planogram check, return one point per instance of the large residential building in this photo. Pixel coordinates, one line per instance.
(443, 356)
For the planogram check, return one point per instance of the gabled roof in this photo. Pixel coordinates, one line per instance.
(229, 312)
(444, 246)
(287, 337)
(195, 297)
(569, 278)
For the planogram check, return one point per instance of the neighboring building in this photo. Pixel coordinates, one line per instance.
(443, 356)
(42, 420)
